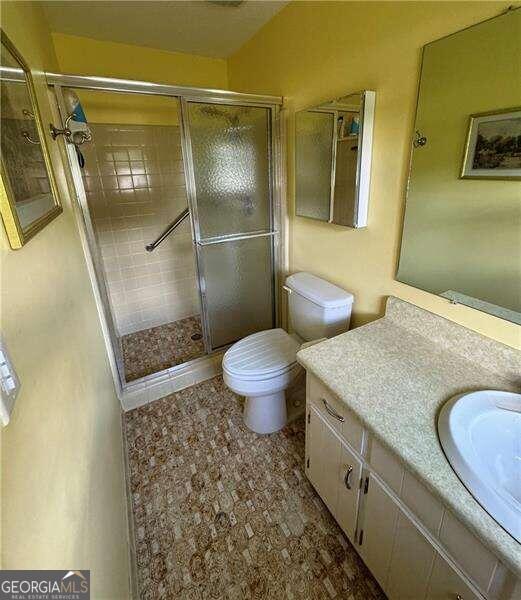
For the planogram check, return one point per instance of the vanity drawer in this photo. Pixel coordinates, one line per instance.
(335, 413)
(388, 467)
(422, 503)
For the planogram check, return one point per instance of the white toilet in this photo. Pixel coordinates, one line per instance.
(263, 365)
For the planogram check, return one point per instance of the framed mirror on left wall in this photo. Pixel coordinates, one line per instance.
(28, 194)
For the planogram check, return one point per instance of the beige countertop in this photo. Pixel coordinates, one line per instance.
(396, 373)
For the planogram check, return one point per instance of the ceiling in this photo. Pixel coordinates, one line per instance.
(194, 27)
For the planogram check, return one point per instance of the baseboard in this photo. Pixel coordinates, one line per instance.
(172, 380)
(133, 580)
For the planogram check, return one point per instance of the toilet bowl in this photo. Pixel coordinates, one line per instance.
(262, 366)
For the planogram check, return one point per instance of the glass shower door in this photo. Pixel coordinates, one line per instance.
(228, 148)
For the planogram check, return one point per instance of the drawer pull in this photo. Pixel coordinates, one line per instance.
(347, 477)
(332, 412)
(459, 597)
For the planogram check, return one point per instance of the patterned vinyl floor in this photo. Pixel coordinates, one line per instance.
(223, 513)
(152, 350)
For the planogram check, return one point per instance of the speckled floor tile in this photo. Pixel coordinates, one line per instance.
(221, 512)
(152, 350)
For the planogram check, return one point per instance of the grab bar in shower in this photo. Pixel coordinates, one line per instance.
(172, 227)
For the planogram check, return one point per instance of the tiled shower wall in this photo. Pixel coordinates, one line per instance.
(135, 188)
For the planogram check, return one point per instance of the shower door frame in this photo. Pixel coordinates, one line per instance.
(274, 225)
(137, 392)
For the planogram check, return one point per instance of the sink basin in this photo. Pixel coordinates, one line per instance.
(480, 434)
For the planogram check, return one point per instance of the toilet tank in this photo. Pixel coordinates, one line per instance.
(317, 308)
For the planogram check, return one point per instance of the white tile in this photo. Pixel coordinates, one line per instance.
(127, 218)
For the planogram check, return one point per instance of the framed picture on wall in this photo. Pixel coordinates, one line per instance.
(493, 148)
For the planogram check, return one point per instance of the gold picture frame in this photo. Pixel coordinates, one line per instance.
(505, 123)
(19, 234)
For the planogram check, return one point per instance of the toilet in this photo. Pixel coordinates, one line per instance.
(263, 365)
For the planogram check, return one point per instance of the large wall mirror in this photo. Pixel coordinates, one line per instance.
(28, 198)
(462, 228)
(333, 160)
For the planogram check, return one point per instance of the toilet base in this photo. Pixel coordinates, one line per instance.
(265, 414)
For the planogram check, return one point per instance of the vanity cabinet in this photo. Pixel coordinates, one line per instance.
(415, 548)
(446, 583)
(377, 526)
(339, 484)
(349, 476)
(404, 562)
(410, 561)
(320, 442)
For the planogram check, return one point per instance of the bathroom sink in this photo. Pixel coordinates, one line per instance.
(480, 434)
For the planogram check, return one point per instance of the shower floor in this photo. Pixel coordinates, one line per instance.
(152, 350)
(221, 512)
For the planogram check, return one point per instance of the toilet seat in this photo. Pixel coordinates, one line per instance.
(261, 356)
(261, 367)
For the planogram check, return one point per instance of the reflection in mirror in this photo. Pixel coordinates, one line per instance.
(462, 227)
(28, 199)
(314, 151)
(332, 160)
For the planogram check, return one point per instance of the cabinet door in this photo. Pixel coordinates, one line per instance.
(377, 530)
(349, 474)
(322, 458)
(411, 562)
(446, 584)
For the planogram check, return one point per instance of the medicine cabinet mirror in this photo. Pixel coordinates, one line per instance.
(462, 227)
(28, 199)
(333, 144)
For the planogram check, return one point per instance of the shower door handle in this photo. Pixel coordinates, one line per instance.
(235, 237)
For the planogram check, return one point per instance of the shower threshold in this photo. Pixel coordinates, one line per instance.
(158, 348)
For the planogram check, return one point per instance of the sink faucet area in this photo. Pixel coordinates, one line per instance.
(480, 434)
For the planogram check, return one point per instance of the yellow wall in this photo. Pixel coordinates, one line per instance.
(84, 56)
(62, 495)
(128, 109)
(311, 52)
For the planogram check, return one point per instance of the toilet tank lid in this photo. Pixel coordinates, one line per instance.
(319, 291)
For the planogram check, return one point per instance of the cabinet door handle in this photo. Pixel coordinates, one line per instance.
(347, 477)
(332, 412)
(459, 597)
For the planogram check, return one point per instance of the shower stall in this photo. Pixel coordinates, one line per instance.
(179, 197)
